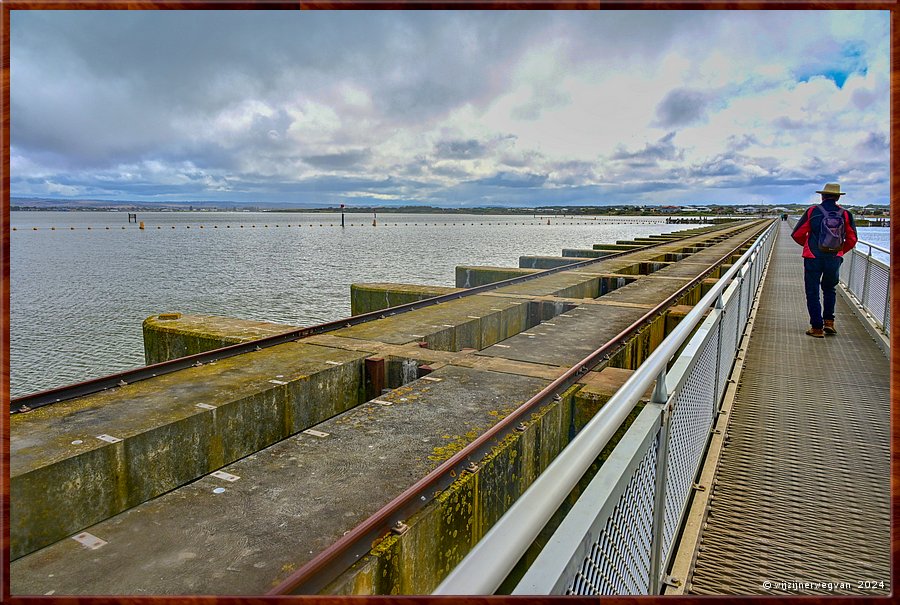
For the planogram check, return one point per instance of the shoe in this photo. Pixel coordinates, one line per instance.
(816, 332)
(829, 327)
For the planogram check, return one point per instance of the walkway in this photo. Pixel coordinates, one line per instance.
(803, 484)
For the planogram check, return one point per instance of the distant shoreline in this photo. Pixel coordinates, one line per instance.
(572, 211)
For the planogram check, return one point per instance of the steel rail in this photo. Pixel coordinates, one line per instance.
(328, 564)
(872, 247)
(490, 561)
(89, 387)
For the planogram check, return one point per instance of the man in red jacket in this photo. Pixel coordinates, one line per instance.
(824, 226)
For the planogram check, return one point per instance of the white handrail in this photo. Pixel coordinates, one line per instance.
(489, 562)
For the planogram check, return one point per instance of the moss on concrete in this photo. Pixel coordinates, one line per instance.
(470, 277)
(548, 262)
(64, 478)
(617, 247)
(173, 335)
(584, 252)
(443, 532)
(368, 297)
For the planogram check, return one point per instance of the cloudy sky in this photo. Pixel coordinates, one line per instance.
(450, 108)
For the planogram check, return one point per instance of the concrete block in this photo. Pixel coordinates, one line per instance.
(368, 297)
(63, 477)
(173, 335)
(548, 262)
(470, 277)
(584, 253)
(618, 247)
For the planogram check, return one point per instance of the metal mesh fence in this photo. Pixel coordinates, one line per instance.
(868, 279)
(692, 414)
(856, 273)
(877, 293)
(621, 550)
(728, 331)
(619, 559)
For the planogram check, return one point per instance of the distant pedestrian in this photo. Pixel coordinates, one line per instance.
(826, 231)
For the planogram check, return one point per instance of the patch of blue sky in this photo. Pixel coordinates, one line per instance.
(850, 60)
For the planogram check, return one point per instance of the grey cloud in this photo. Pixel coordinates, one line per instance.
(682, 107)
(718, 166)
(521, 159)
(786, 123)
(547, 97)
(97, 96)
(573, 173)
(460, 150)
(742, 142)
(862, 98)
(449, 170)
(513, 179)
(345, 160)
(874, 143)
(663, 149)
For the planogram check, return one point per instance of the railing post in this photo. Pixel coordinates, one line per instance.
(660, 397)
(886, 316)
(865, 291)
(850, 273)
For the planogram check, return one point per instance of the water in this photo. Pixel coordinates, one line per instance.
(78, 297)
(880, 236)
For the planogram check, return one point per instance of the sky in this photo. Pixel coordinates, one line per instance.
(455, 108)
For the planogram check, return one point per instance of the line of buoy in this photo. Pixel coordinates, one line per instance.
(141, 227)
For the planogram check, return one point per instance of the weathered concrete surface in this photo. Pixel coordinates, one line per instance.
(570, 337)
(63, 477)
(566, 284)
(573, 283)
(173, 335)
(470, 277)
(365, 298)
(617, 247)
(584, 252)
(472, 322)
(293, 499)
(547, 262)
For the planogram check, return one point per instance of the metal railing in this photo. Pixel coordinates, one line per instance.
(868, 280)
(618, 538)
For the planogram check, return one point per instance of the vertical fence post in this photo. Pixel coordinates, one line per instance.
(737, 309)
(850, 272)
(886, 316)
(718, 378)
(660, 397)
(865, 291)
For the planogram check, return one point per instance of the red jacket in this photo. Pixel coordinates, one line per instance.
(807, 228)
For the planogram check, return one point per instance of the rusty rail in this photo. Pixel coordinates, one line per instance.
(328, 564)
(80, 389)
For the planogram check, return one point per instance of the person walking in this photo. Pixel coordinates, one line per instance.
(826, 231)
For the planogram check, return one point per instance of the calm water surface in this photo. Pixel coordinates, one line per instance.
(78, 296)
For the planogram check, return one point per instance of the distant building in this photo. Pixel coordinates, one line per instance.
(669, 208)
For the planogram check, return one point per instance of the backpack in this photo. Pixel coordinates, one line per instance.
(833, 231)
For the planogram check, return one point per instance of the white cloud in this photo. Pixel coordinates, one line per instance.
(554, 101)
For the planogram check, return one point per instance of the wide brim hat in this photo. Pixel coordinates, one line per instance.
(832, 189)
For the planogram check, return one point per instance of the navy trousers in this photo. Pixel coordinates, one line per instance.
(821, 272)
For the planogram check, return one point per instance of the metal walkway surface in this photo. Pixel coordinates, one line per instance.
(801, 503)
